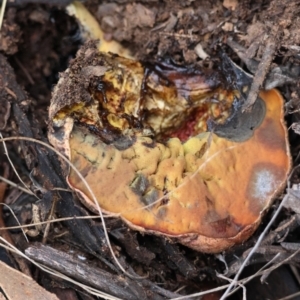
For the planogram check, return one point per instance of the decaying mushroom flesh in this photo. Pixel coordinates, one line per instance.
(138, 134)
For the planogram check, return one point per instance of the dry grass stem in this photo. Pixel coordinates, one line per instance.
(15, 185)
(3, 6)
(15, 217)
(13, 167)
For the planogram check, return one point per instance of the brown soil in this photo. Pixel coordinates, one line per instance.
(39, 40)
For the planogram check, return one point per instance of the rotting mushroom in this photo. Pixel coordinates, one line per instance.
(138, 134)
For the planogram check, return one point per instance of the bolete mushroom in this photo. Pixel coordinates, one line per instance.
(139, 137)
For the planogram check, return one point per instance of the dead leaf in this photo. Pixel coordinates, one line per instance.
(16, 285)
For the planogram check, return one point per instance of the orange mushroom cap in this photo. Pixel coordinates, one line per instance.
(208, 192)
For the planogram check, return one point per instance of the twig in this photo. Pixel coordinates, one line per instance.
(293, 296)
(262, 69)
(17, 220)
(52, 211)
(241, 285)
(264, 276)
(49, 221)
(295, 272)
(179, 35)
(5, 234)
(12, 165)
(282, 229)
(3, 6)
(11, 183)
(258, 273)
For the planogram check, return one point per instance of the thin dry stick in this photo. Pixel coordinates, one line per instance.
(179, 35)
(13, 167)
(223, 287)
(3, 6)
(262, 69)
(265, 272)
(54, 221)
(285, 261)
(89, 190)
(220, 288)
(292, 296)
(295, 272)
(241, 285)
(17, 220)
(47, 228)
(260, 271)
(11, 183)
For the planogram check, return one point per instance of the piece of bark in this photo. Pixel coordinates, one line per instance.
(118, 286)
